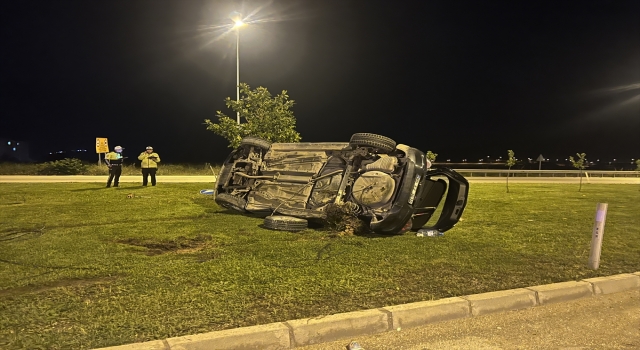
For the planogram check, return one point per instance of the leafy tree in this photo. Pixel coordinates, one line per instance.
(511, 161)
(638, 164)
(579, 164)
(431, 157)
(267, 117)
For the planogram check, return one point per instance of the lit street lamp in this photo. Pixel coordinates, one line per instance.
(237, 19)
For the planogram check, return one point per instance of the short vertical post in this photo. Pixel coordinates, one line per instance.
(99, 161)
(596, 237)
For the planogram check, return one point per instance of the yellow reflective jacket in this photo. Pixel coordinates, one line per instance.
(113, 158)
(148, 160)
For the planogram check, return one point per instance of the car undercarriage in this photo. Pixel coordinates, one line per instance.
(384, 183)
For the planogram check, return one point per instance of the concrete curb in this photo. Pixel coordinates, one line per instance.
(615, 284)
(295, 333)
(564, 291)
(329, 328)
(269, 337)
(424, 312)
(504, 300)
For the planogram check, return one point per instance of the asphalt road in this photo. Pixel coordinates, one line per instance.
(211, 178)
(604, 322)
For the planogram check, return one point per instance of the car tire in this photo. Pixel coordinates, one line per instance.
(382, 144)
(256, 142)
(228, 201)
(285, 223)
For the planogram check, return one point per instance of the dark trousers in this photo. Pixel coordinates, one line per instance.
(145, 175)
(114, 175)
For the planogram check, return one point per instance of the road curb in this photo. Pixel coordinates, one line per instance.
(504, 300)
(302, 332)
(615, 284)
(329, 328)
(564, 291)
(424, 312)
(271, 336)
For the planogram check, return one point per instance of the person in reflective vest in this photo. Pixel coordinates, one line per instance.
(149, 164)
(114, 162)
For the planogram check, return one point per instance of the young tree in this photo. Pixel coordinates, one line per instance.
(511, 161)
(579, 164)
(431, 157)
(267, 117)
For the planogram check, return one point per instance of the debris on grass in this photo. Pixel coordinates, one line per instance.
(343, 219)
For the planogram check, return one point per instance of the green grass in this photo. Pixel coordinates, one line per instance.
(83, 267)
(127, 169)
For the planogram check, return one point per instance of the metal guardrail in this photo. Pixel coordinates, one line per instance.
(544, 173)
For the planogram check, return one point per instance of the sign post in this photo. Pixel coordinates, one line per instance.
(102, 146)
(596, 237)
(540, 160)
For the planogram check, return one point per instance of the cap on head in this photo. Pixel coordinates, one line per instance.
(118, 148)
(149, 147)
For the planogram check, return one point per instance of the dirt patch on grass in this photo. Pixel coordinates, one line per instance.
(179, 244)
(63, 283)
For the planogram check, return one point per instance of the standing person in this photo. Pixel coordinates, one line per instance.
(114, 162)
(149, 165)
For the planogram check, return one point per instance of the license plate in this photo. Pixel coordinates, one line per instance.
(415, 188)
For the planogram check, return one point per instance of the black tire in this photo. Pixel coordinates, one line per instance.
(285, 223)
(231, 202)
(256, 142)
(381, 144)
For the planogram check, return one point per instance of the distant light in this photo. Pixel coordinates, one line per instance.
(614, 159)
(14, 149)
(50, 153)
(448, 160)
(238, 23)
(17, 143)
(598, 160)
(9, 143)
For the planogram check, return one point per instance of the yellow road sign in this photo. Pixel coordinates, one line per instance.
(102, 146)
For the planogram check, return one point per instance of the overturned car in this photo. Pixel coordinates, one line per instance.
(388, 185)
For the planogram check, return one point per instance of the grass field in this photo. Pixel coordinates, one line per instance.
(82, 266)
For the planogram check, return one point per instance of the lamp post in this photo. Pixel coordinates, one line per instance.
(237, 19)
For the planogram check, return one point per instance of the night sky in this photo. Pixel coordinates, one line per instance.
(465, 79)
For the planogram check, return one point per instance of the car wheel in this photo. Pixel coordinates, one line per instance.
(285, 223)
(231, 202)
(382, 144)
(255, 141)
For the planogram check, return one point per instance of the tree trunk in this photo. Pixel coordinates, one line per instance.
(508, 179)
(580, 189)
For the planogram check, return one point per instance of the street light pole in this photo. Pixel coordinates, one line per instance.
(238, 69)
